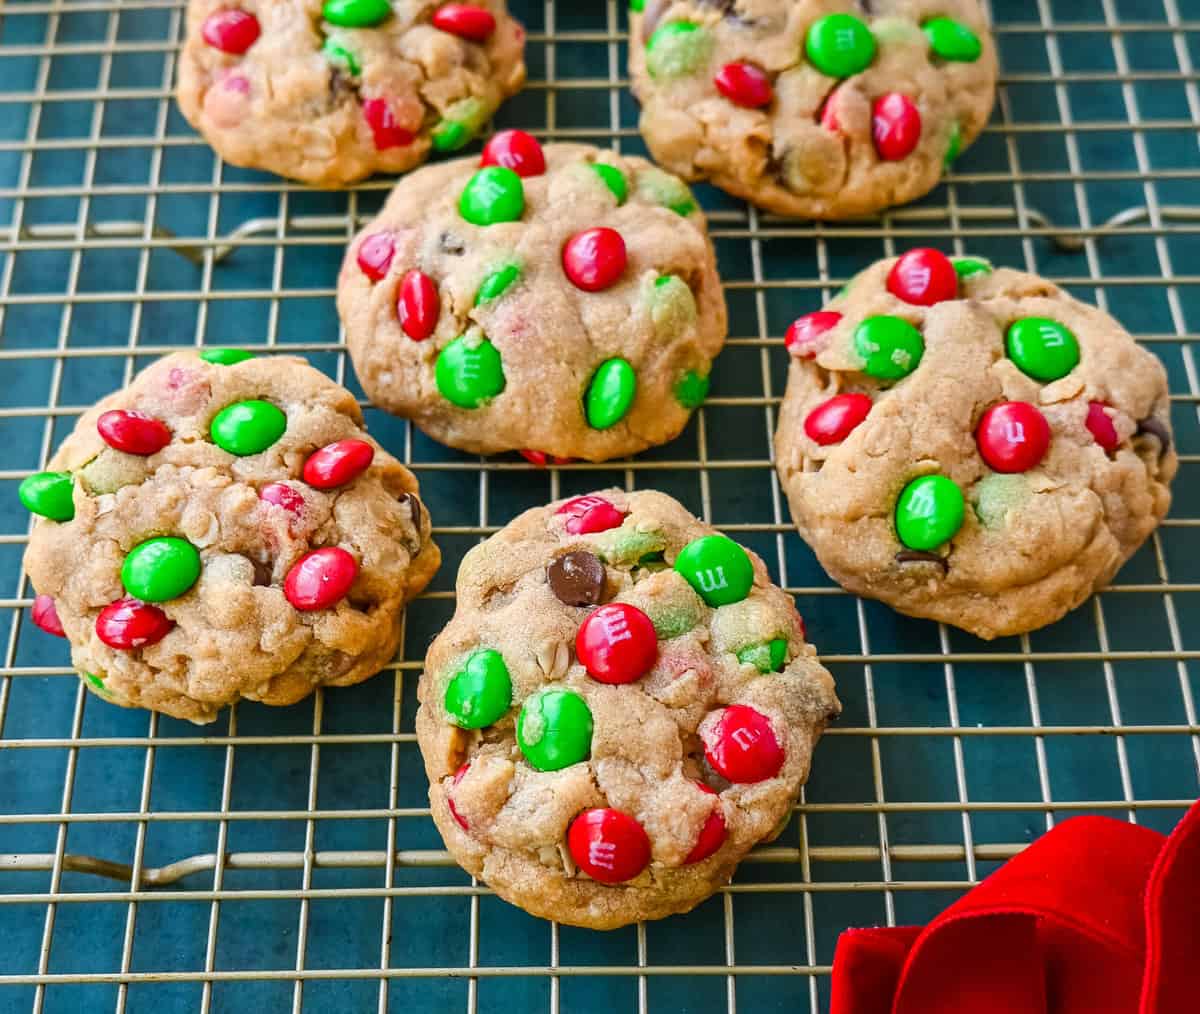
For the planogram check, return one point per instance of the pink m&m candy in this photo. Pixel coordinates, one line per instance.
(608, 845)
(744, 84)
(45, 616)
(834, 420)
(515, 150)
(923, 277)
(1100, 425)
(459, 819)
(828, 117)
(741, 745)
(385, 128)
(133, 432)
(1013, 436)
(465, 21)
(594, 259)
(128, 624)
(587, 515)
(338, 463)
(896, 124)
(808, 335)
(320, 579)
(375, 254)
(712, 832)
(617, 644)
(418, 305)
(231, 31)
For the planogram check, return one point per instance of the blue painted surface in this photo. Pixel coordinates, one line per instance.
(170, 933)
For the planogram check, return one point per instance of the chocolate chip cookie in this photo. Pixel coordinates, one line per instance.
(821, 109)
(330, 92)
(224, 528)
(561, 301)
(622, 706)
(972, 445)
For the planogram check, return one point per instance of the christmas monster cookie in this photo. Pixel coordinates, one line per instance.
(563, 301)
(225, 528)
(329, 92)
(622, 706)
(813, 108)
(972, 445)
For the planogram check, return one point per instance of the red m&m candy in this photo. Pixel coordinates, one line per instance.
(133, 432)
(896, 125)
(834, 420)
(587, 515)
(282, 495)
(617, 644)
(515, 150)
(923, 277)
(45, 616)
(418, 305)
(828, 117)
(807, 335)
(465, 21)
(320, 579)
(375, 255)
(1013, 436)
(459, 819)
(231, 31)
(608, 845)
(712, 832)
(1100, 425)
(338, 463)
(128, 624)
(741, 745)
(541, 459)
(594, 259)
(744, 85)
(385, 129)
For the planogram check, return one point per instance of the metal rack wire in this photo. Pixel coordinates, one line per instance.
(285, 859)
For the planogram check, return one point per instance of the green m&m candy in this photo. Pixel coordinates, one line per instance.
(717, 568)
(225, 357)
(469, 372)
(248, 427)
(49, 494)
(355, 13)
(768, 657)
(613, 178)
(496, 283)
(494, 194)
(954, 148)
(610, 393)
(890, 347)
(481, 693)
(160, 569)
(1042, 348)
(840, 45)
(969, 267)
(691, 389)
(929, 512)
(341, 57)
(450, 135)
(952, 40)
(677, 48)
(637, 5)
(554, 729)
(96, 683)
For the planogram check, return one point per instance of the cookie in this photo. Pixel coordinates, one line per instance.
(329, 93)
(224, 528)
(563, 301)
(622, 706)
(972, 445)
(822, 109)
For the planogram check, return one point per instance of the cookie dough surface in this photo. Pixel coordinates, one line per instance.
(317, 99)
(515, 354)
(235, 632)
(1033, 542)
(828, 119)
(652, 741)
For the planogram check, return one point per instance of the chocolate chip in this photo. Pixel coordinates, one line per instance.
(1154, 428)
(916, 556)
(452, 245)
(414, 510)
(577, 579)
(264, 572)
(340, 84)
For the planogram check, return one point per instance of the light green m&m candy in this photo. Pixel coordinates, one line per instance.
(356, 13)
(667, 190)
(341, 57)
(49, 494)
(890, 347)
(225, 357)
(691, 389)
(969, 267)
(494, 194)
(554, 729)
(248, 427)
(717, 568)
(840, 45)
(469, 372)
(929, 512)
(1042, 348)
(481, 693)
(160, 569)
(610, 394)
(613, 178)
(768, 657)
(677, 48)
(496, 283)
(952, 40)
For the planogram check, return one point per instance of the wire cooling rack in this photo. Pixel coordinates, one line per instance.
(284, 859)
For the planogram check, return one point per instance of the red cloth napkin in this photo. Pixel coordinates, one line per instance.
(1095, 917)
